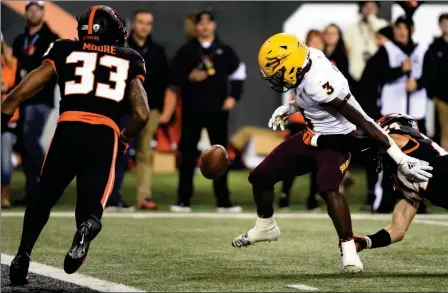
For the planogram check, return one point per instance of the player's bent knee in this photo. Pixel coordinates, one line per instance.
(259, 178)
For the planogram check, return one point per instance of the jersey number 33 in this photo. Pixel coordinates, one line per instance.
(118, 74)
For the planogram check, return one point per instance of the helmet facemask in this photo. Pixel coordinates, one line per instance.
(278, 83)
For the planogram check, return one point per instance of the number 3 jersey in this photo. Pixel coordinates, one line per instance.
(321, 84)
(94, 80)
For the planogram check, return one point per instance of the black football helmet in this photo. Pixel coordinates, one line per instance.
(101, 24)
(400, 119)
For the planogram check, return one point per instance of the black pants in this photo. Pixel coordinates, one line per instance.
(87, 152)
(216, 124)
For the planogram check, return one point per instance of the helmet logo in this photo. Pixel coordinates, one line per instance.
(96, 27)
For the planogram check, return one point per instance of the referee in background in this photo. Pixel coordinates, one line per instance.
(210, 77)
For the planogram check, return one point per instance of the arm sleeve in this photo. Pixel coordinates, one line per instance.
(386, 73)
(237, 79)
(428, 74)
(138, 69)
(165, 68)
(344, 142)
(233, 62)
(179, 69)
(54, 54)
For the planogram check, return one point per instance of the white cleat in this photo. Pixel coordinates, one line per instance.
(180, 209)
(351, 263)
(264, 230)
(232, 210)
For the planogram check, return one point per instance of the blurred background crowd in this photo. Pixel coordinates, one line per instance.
(223, 100)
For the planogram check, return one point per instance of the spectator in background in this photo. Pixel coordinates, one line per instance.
(315, 39)
(29, 48)
(360, 37)
(155, 84)
(10, 77)
(201, 69)
(405, 73)
(404, 70)
(439, 51)
(335, 49)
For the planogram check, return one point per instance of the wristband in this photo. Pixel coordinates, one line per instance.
(395, 153)
(313, 141)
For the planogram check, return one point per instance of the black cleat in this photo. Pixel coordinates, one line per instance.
(18, 271)
(77, 254)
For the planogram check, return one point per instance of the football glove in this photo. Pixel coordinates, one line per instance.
(281, 115)
(415, 170)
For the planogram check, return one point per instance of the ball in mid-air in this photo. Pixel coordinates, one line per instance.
(214, 161)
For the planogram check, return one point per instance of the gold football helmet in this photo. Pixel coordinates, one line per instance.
(283, 61)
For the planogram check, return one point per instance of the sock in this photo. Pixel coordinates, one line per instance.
(265, 222)
(380, 239)
(348, 247)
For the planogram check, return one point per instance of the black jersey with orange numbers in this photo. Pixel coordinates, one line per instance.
(94, 78)
(419, 145)
(423, 148)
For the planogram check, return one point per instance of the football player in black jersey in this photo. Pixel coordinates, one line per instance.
(100, 81)
(404, 131)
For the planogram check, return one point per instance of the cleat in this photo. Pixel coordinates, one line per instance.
(18, 271)
(232, 209)
(268, 233)
(77, 254)
(351, 263)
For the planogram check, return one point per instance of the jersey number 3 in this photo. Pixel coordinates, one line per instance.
(86, 72)
(328, 88)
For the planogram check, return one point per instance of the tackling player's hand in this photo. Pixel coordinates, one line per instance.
(415, 170)
(360, 242)
(279, 117)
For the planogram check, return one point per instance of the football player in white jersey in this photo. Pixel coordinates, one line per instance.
(323, 96)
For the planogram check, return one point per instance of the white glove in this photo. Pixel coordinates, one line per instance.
(414, 169)
(280, 115)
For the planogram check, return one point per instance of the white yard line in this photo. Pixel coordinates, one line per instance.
(302, 287)
(78, 279)
(205, 215)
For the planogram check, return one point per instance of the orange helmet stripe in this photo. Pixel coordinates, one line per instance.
(91, 17)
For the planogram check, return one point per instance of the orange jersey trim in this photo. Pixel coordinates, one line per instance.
(417, 144)
(91, 18)
(90, 118)
(141, 77)
(111, 181)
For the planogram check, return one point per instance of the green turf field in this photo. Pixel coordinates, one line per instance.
(195, 254)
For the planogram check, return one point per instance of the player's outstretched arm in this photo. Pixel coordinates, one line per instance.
(138, 101)
(412, 168)
(402, 217)
(27, 88)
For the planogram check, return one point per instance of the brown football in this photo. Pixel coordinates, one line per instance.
(214, 161)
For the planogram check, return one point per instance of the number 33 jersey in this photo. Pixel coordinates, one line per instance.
(321, 84)
(94, 79)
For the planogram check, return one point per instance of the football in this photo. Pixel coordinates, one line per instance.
(214, 161)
